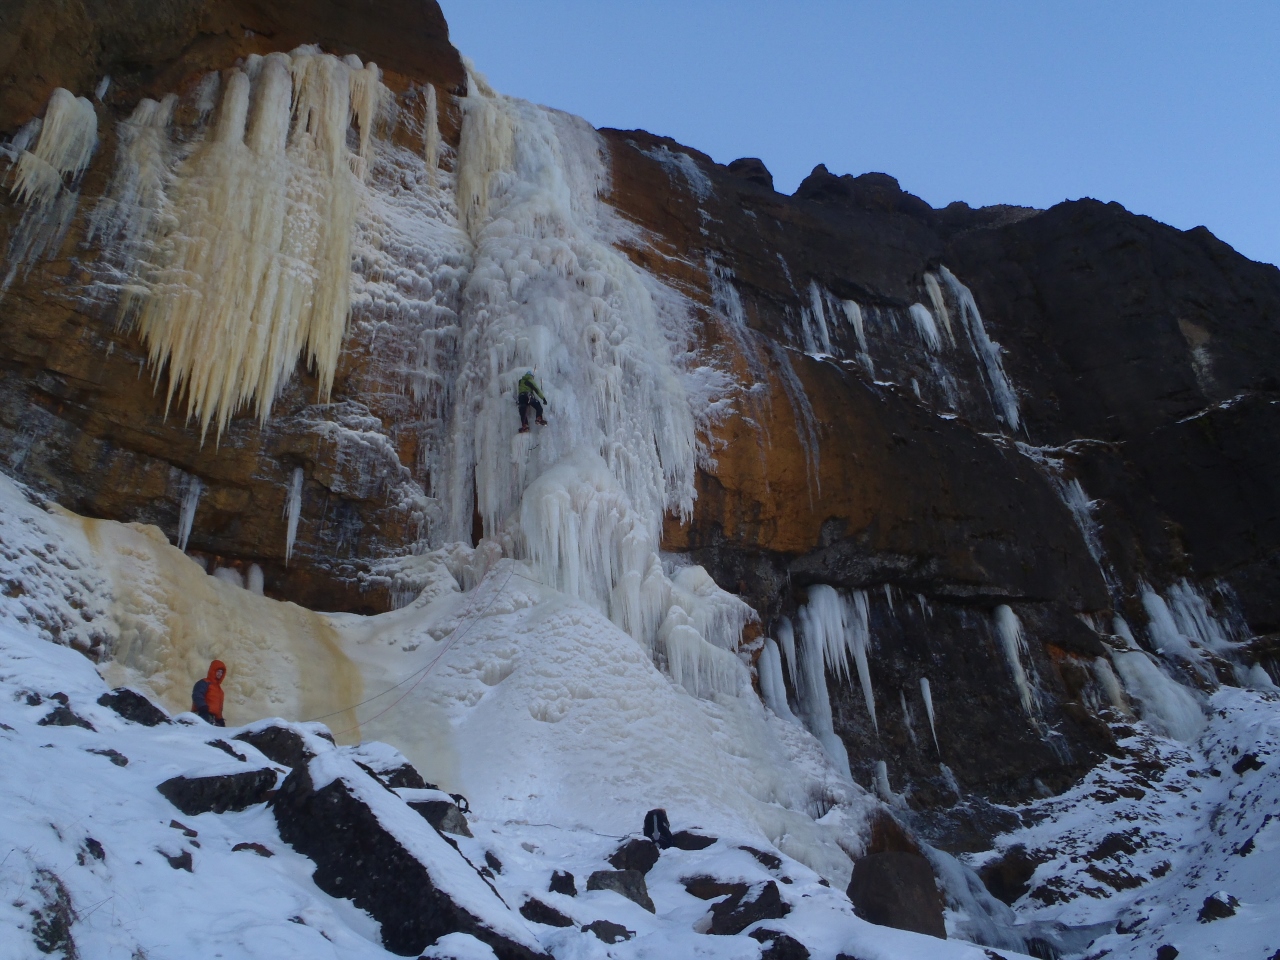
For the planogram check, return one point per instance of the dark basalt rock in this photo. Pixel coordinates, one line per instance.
(134, 707)
(279, 744)
(685, 840)
(359, 857)
(257, 848)
(536, 911)
(115, 756)
(405, 775)
(709, 888)
(1009, 877)
(636, 854)
(444, 815)
(63, 716)
(229, 750)
(1246, 763)
(179, 861)
(760, 902)
(897, 890)
(563, 882)
(629, 883)
(779, 946)
(767, 860)
(218, 794)
(1217, 906)
(608, 931)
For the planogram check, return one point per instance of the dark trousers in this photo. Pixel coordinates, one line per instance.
(527, 400)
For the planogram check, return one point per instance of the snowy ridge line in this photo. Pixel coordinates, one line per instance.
(454, 637)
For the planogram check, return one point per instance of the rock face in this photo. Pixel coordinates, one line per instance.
(628, 883)
(955, 410)
(134, 706)
(370, 847)
(897, 890)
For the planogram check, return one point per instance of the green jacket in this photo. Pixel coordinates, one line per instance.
(528, 385)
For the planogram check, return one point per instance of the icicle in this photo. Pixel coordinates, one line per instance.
(101, 89)
(939, 306)
(292, 511)
(1165, 635)
(888, 596)
(927, 695)
(430, 133)
(814, 701)
(1009, 629)
(187, 514)
(925, 326)
(254, 580)
(987, 351)
(840, 625)
(853, 313)
(814, 331)
(702, 669)
(771, 683)
(906, 717)
(1196, 621)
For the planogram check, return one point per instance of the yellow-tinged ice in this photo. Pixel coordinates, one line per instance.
(254, 269)
(173, 618)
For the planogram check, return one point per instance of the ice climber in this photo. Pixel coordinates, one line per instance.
(528, 395)
(206, 695)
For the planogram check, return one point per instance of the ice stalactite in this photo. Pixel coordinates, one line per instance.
(927, 695)
(292, 511)
(101, 89)
(187, 512)
(253, 265)
(814, 700)
(987, 351)
(47, 178)
(1014, 646)
(853, 313)
(839, 626)
(772, 685)
(939, 306)
(925, 326)
(815, 333)
(883, 790)
(254, 581)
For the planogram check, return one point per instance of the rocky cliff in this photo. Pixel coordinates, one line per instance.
(1020, 445)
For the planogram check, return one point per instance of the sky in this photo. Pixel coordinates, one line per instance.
(1171, 108)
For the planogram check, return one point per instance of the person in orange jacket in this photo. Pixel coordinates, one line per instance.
(206, 695)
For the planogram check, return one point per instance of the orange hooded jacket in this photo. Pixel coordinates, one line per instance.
(213, 692)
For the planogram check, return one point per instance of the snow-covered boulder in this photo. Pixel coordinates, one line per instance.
(370, 847)
(218, 792)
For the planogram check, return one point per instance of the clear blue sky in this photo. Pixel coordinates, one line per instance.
(1171, 108)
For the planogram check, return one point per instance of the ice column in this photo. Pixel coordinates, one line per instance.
(771, 683)
(292, 511)
(839, 626)
(187, 513)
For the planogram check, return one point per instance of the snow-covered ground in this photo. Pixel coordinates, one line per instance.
(1147, 836)
(560, 762)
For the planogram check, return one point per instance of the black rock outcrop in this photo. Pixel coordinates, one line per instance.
(628, 883)
(219, 793)
(738, 911)
(369, 847)
(134, 706)
(897, 889)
